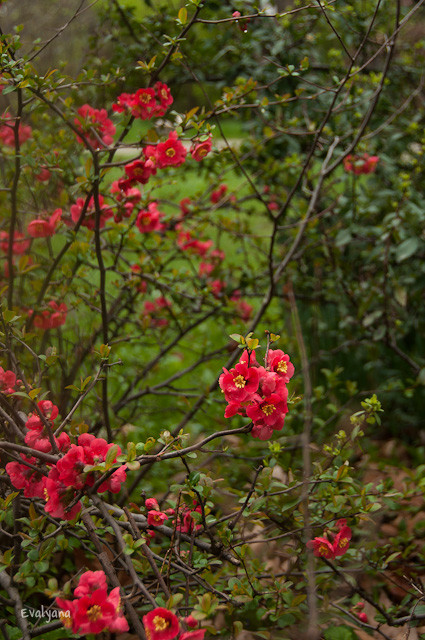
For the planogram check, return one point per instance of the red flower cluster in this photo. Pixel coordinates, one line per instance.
(69, 476)
(7, 131)
(43, 228)
(155, 516)
(218, 194)
(186, 242)
(360, 164)
(8, 381)
(322, 547)
(154, 311)
(185, 522)
(20, 243)
(93, 610)
(126, 197)
(259, 393)
(94, 120)
(162, 624)
(89, 220)
(145, 103)
(51, 318)
(30, 479)
(37, 436)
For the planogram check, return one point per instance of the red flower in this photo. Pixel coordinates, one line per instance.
(26, 478)
(342, 541)
(165, 98)
(191, 622)
(7, 381)
(58, 496)
(43, 175)
(94, 120)
(322, 548)
(89, 219)
(184, 206)
(240, 383)
(360, 164)
(269, 411)
(362, 616)
(161, 624)
(156, 518)
(7, 131)
(149, 219)
(193, 635)
(152, 503)
(219, 194)
(41, 228)
(201, 149)
(279, 362)
(90, 581)
(171, 152)
(139, 171)
(20, 243)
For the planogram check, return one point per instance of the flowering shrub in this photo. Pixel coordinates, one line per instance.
(161, 478)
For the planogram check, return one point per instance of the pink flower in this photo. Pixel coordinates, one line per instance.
(156, 518)
(41, 228)
(171, 152)
(161, 624)
(58, 497)
(43, 175)
(279, 362)
(322, 548)
(148, 220)
(184, 206)
(151, 503)
(201, 149)
(165, 98)
(94, 120)
(191, 622)
(90, 581)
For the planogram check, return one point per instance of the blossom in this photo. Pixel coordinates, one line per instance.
(322, 548)
(58, 497)
(240, 383)
(185, 521)
(201, 149)
(186, 242)
(279, 362)
(27, 478)
(90, 581)
(89, 219)
(153, 311)
(145, 103)
(156, 518)
(7, 381)
(20, 243)
(43, 175)
(193, 635)
(185, 206)
(7, 131)
(96, 612)
(218, 194)
(139, 171)
(50, 318)
(270, 411)
(94, 120)
(149, 219)
(171, 152)
(151, 503)
(191, 621)
(42, 228)
(161, 624)
(360, 164)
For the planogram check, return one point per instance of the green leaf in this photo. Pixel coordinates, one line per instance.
(406, 249)
(111, 455)
(339, 633)
(182, 15)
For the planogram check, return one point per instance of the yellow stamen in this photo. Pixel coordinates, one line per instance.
(282, 367)
(239, 381)
(160, 624)
(268, 409)
(94, 613)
